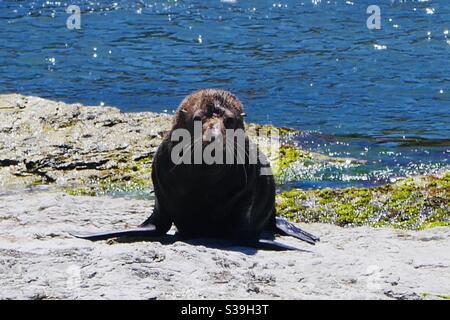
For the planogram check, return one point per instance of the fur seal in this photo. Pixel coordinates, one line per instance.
(228, 201)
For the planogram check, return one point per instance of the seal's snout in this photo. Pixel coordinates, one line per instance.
(213, 131)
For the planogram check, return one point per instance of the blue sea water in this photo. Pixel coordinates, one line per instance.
(378, 95)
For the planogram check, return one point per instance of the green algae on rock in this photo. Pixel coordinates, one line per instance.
(135, 188)
(413, 203)
(268, 129)
(434, 296)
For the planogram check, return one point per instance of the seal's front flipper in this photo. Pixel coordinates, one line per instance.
(289, 229)
(147, 231)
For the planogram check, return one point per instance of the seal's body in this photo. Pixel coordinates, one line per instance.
(230, 201)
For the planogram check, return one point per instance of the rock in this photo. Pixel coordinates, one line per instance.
(92, 150)
(40, 260)
(72, 145)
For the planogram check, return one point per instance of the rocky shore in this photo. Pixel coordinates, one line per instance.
(40, 260)
(46, 142)
(60, 164)
(91, 150)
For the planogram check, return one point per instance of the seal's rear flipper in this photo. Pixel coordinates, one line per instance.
(147, 231)
(289, 229)
(265, 244)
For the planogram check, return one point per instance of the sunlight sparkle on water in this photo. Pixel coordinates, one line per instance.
(379, 47)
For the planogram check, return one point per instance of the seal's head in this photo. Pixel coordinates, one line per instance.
(215, 110)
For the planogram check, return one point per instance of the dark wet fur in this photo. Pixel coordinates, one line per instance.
(230, 201)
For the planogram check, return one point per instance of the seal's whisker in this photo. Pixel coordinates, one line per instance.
(187, 148)
(238, 154)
